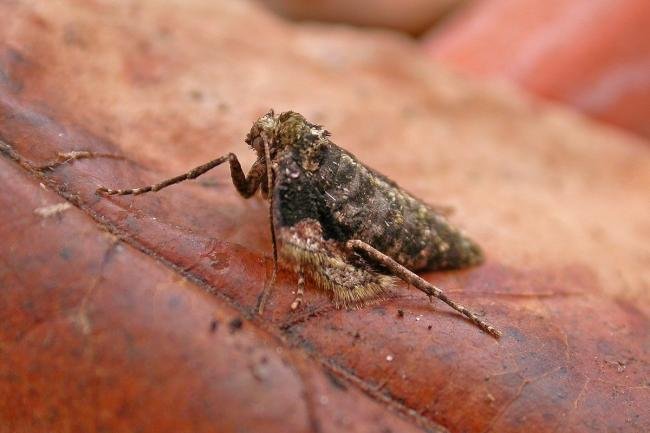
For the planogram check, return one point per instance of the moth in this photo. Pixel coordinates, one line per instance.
(343, 226)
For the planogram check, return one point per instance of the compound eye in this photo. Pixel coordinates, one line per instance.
(258, 145)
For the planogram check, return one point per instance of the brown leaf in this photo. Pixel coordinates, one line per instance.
(118, 314)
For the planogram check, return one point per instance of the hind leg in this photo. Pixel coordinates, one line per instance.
(411, 278)
(300, 292)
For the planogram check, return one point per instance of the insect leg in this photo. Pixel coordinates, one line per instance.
(301, 290)
(269, 191)
(330, 267)
(246, 184)
(74, 155)
(411, 278)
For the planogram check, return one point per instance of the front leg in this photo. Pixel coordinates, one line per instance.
(246, 185)
(411, 278)
(75, 155)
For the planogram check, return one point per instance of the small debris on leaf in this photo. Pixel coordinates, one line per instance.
(235, 324)
(51, 210)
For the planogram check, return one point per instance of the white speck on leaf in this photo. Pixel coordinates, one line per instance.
(51, 210)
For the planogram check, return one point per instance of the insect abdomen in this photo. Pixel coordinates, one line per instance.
(365, 205)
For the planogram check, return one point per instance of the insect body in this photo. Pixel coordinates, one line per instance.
(335, 221)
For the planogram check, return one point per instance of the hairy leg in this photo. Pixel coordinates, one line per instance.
(327, 264)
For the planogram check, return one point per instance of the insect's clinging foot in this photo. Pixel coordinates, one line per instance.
(107, 191)
(492, 331)
(136, 191)
(300, 292)
(75, 155)
(261, 301)
(260, 304)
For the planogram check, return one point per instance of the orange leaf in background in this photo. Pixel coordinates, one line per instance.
(590, 55)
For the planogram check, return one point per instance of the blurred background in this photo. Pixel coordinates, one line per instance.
(592, 55)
